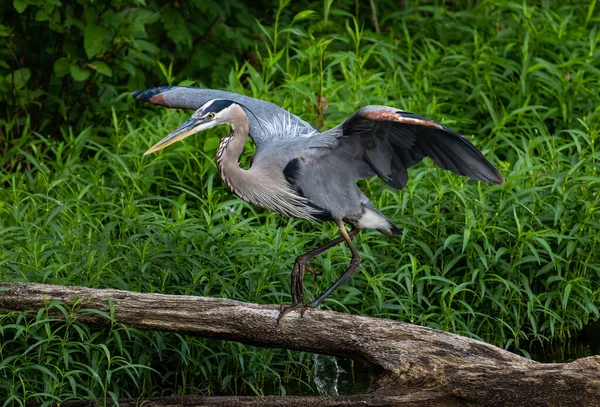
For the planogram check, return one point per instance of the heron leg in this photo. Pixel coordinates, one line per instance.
(300, 265)
(352, 267)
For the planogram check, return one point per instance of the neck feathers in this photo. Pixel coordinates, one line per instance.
(258, 185)
(231, 147)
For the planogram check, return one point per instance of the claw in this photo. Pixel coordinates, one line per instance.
(285, 308)
(306, 308)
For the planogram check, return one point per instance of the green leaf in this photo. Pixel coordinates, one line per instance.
(20, 5)
(146, 46)
(303, 15)
(466, 237)
(94, 37)
(41, 15)
(78, 73)
(4, 31)
(101, 67)
(129, 68)
(19, 77)
(566, 293)
(61, 67)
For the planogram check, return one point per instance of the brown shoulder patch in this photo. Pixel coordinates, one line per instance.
(158, 100)
(386, 115)
(381, 115)
(419, 122)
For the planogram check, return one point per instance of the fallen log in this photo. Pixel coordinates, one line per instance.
(411, 365)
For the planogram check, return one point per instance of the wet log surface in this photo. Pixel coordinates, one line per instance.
(411, 365)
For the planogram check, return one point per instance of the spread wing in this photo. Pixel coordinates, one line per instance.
(384, 141)
(267, 121)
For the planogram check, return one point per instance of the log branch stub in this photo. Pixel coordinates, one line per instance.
(408, 361)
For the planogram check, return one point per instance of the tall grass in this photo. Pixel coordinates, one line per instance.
(516, 265)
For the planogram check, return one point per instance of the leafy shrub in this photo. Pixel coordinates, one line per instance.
(66, 62)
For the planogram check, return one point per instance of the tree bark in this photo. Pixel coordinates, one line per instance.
(411, 365)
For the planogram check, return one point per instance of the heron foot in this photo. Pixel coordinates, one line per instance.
(286, 308)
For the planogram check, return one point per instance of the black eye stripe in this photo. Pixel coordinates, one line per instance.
(217, 105)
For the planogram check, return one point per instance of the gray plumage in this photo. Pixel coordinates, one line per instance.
(301, 172)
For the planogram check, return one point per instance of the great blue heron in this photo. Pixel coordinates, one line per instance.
(301, 172)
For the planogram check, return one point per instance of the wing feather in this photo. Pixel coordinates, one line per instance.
(390, 141)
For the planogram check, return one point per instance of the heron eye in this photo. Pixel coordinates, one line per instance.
(210, 115)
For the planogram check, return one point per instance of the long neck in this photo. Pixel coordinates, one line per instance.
(256, 185)
(230, 149)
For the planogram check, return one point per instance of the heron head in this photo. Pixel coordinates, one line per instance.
(213, 113)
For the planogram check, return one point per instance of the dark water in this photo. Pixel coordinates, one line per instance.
(339, 376)
(586, 343)
(333, 376)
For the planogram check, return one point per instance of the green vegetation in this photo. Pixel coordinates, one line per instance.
(65, 61)
(516, 265)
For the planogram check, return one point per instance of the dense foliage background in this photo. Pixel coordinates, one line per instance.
(516, 265)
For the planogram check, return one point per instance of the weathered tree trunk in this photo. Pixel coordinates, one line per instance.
(412, 365)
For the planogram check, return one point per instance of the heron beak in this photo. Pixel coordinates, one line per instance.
(188, 128)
